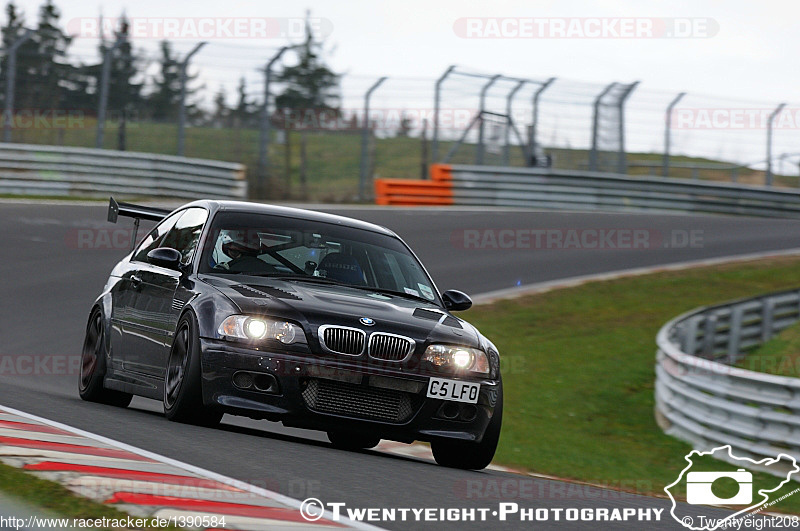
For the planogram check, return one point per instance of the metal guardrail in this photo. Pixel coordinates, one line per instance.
(702, 399)
(548, 188)
(27, 169)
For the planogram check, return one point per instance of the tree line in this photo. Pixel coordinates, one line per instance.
(48, 78)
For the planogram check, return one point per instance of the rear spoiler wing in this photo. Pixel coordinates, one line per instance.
(136, 212)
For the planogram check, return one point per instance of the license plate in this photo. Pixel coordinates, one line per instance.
(453, 390)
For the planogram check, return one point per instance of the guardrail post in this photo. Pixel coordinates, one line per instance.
(11, 76)
(709, 336)
(622, 166)
(768, 176)
(668, 132)
(362, 181)
(105, 78)
(509, 104)
(263, 144)
(436, 103)
(182, 108)
(767, 314)
(535, 120)
(595, 126)
(689, 339)
(481, 110)
(734, 333)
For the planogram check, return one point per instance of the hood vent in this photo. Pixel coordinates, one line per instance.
(262, 292)
(451, 322)
(422, 313)
(447, 320)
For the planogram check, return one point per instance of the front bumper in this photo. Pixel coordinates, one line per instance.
(365, 391)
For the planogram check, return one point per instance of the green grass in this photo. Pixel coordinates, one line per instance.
(53, 497)
(780, 355)
(579, 371)
(333, 158)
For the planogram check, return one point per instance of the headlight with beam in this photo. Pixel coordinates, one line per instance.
(258, 328)
(457, 358)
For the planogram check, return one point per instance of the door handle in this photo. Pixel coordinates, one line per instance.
(135, 281)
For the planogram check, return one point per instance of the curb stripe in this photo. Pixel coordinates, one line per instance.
(233, 509)
(119, 473)
(40, 428)
(71, 448)
(130, 452)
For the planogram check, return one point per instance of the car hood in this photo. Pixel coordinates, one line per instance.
(313, 305)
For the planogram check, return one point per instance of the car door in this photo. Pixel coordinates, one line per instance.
(131, 328)
(162, 293)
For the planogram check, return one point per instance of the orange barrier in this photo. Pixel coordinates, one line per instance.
(441, 172)
(416, 192)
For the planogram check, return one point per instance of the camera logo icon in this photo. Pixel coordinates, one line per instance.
(698, 488)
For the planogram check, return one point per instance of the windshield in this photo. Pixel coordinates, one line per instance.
(276, 246)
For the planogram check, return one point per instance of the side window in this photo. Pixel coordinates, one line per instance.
(152, 240)
(186, 233)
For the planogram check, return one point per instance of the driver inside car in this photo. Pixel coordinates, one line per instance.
(243, 253)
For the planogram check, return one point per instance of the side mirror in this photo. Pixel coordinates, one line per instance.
(165, 257)
(456, 301)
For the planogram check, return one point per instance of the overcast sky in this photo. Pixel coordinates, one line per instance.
(748, 57)
(735, 48)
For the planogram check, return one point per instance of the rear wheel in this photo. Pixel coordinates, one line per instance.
(471, 455)
(183, 394)
(93, 365)
(352, 441)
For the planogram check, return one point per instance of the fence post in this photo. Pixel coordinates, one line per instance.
(437, 95)
(768, 176)
(182, 108)
(535, 120)
(105, 77)
(263, 143)
(362, 181)
(595, 126)
(481, 110)
(423, 136)
(668, 133)
(509, 103)
(10, 80)
(622, 162)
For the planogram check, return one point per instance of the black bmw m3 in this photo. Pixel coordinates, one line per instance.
(310, 319)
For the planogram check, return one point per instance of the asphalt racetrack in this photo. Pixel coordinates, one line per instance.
(56, 258)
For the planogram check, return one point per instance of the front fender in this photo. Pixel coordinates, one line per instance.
(211, 309)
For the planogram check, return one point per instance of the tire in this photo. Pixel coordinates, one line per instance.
(352, 441)
(93, 365)
(471, 455)
(183, 393)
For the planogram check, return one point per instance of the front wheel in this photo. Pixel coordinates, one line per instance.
(93, 365)
(183, 394)
(471, 455)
